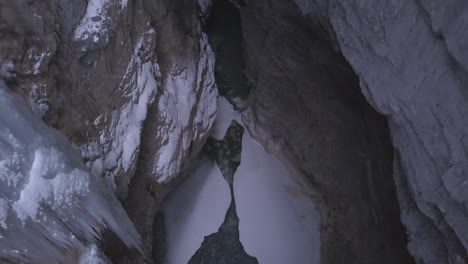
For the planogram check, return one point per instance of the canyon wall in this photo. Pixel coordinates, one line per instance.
(130, 83)
(364, 101)
(408, 61)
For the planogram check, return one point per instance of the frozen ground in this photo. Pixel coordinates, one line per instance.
(194, 210)
(278, 223)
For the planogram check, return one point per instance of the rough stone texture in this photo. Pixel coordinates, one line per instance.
(224, 32)
(411, 65)
(113, 74)
(131, 84)
(224, 246)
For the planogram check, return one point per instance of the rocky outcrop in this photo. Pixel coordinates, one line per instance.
(307, 110)
(129, 82)
(408, 60)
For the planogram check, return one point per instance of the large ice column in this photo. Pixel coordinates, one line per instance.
(49, 202)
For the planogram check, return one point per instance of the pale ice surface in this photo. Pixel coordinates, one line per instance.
(6, 69)
(279, 223)
(49, 202)
(92, 255)
(92, 24)
(224, 116)
(96, 23)
(194, 210)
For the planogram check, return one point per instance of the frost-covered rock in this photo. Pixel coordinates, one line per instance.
(50, 203)
(116, 77)
(188, 107)
(116, 150)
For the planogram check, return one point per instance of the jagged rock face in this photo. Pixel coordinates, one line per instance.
(224, 246)
(408, 56)
(307, 110)
(129, 82)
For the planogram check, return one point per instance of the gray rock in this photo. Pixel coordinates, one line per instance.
(409, 58)
(130, 83)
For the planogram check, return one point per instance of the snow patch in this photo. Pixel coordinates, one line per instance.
(124, 128)
(92, 255)
(224, 117)
(7, 70)
(93, 20)
(192, 88)
(124, 4)
(3, 213)
(96, 24)
(39, 59)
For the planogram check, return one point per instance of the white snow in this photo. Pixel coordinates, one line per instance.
(120, 140)
(176, 106)
(39, 59)
(279, 223)
(124, 3)
(6, 69)
(194, 210)
(97, 24)
(50, 203)
(92, 255)
(93, 22)
(3, 213)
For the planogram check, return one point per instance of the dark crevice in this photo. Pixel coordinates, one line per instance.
(224, 32)
(159, 242)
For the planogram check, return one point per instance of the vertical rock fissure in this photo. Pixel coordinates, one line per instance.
(224, 31)
(224, 246)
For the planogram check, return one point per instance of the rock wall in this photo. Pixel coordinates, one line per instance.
(408, 57)
(307, 109)
(129, 82)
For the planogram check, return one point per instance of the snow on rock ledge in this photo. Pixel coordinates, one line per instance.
(115, 152)
(188, 108)
(49, 202)
(98, 23)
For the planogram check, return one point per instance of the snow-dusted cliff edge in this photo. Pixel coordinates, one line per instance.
(365, 101)
(410, 64)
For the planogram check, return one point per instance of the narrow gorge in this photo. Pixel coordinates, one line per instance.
(233, 131)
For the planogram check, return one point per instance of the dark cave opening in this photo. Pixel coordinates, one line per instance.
(329, 132)
(224, 31)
